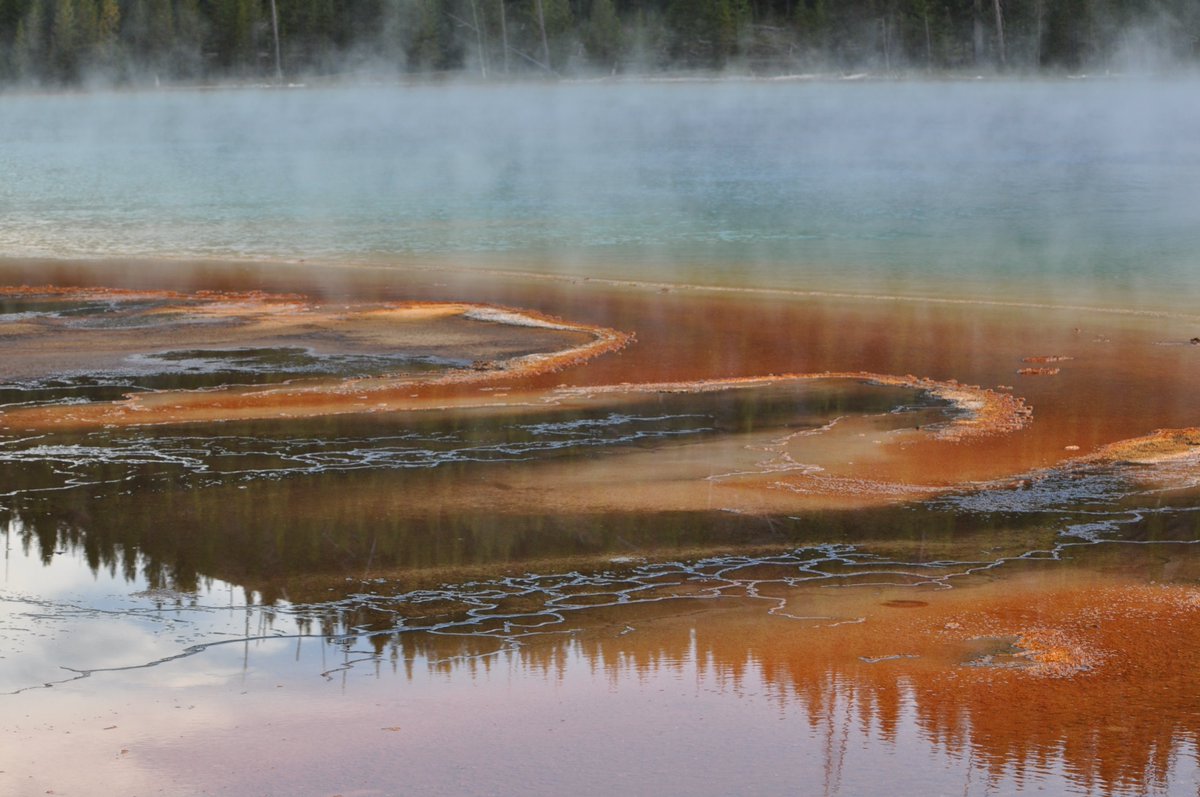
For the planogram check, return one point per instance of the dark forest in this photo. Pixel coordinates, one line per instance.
(69, 42)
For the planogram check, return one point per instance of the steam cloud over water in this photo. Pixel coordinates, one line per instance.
(876, 186)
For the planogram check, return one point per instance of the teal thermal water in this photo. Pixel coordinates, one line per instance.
(1025, 187)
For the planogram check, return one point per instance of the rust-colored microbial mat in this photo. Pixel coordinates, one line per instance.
(363, 530)
(505, 342)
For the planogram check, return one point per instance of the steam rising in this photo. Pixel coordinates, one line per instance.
(964, 188)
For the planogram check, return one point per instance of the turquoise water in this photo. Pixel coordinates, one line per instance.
(973, 187)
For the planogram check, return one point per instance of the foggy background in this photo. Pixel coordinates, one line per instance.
(121, 42)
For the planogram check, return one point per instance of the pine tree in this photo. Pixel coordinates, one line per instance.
(604, 34)
(189, 32)
(428, 50)
(30, 46)
(234, 24)
(108, 22)
(63, 39)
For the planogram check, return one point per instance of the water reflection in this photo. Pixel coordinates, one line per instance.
(418, 560)
(826, 641)
(273, 504)
(843, 690)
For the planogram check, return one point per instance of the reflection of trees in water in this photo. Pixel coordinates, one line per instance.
(1107, 731)
(1119, 729)
(296, 538)
(274, 506)
(293, 538)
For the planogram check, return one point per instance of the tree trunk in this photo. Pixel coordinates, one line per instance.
(275, 30)
(504, 33)
(1000, 34)
(478, 40)
(978, 40)
(1039, 14)
(928, 41)
(545, 42)
(887, 45)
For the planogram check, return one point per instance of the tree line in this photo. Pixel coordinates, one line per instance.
(65, 42)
